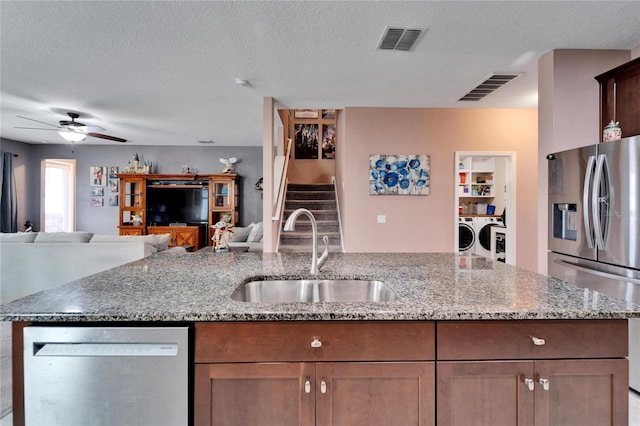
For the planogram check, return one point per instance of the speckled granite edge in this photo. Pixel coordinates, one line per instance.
(430, 286)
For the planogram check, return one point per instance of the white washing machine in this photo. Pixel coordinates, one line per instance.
(466, 235)
(482, 226)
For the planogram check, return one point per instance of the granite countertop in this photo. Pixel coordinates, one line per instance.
(431, 286)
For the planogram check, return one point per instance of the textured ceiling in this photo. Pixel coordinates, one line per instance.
(163, 73)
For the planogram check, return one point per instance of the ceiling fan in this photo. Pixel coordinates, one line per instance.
(72, 130)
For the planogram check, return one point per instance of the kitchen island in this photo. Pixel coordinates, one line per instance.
(506, 345)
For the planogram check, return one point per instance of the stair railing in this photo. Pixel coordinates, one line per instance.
(281, 170)
(335, 188)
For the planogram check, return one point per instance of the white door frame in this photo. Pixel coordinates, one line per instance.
(510, 202)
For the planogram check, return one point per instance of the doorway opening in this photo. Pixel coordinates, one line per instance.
(485, 193)
(58, 196)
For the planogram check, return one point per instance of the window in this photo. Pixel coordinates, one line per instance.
(59, 195)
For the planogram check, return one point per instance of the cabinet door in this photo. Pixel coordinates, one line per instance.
(371, 394)
(186, 236)
(254, 394)
(485, 393)
(582, 392)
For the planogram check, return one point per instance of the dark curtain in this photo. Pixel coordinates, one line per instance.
(8, 196)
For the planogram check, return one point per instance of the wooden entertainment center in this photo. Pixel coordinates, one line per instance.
(149, 204)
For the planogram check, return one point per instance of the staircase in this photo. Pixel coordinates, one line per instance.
(320, 200)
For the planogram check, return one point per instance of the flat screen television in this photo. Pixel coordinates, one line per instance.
(174, 203)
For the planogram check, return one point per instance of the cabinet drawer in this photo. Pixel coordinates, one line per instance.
(476, 340)
(335, 341)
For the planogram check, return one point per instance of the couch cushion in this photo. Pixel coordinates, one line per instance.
(17, 237)
(240, 233)
(159, 242)
(63, 237)
(256, 232)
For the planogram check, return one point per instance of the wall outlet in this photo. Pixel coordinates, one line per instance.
(382, 218)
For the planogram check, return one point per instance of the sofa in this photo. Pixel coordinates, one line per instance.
(34, 261)
(247, 238)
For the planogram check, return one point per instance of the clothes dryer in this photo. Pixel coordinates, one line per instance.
(466, 235)
(482, 226)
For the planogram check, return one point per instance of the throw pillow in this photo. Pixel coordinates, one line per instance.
(63, 237)
(256, 232)
(240, 234)
(162, 241)
(17, 237)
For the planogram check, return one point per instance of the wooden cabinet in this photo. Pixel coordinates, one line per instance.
(620, 97)
(137, 216)
(181, 235)
(132, 205)
(307, 373)
(223, 199)
(529, 372)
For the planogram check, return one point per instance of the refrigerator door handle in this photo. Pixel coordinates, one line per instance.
(585, 202)
(596, 200)
(598, 272)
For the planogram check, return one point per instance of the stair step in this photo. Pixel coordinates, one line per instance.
(323, 226)
(323, 215)
(286, 248)
(306, 236)
(310, 204)
(311, 195)
(310, 187)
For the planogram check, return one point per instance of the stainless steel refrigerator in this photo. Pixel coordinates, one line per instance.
(594, 225)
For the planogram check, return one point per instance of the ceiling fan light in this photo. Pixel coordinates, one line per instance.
(72, 136)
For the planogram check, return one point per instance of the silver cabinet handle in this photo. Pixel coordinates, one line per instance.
(537, 341)
(307, 386)
(316, 343)
(544, 383)
(323, 387)
(530, 384)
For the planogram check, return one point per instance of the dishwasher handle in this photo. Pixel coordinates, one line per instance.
(106, 349)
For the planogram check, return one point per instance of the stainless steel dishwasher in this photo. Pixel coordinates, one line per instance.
(106, 376)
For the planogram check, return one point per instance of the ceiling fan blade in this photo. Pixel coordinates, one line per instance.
(101, 136)
(33, 128)
(37, 121)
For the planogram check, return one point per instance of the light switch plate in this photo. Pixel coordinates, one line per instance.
(382, 218)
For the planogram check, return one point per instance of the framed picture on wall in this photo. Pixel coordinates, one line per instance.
(113, 172)
(113, 200)
(328, 141)
(98, 175)
(306, 141)
(113, 185)
(97, 192)
(399, 174)
(96, 201)
(306, 113)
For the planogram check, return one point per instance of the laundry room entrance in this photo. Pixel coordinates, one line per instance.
(484, 188)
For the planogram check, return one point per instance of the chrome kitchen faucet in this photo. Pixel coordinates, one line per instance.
(290, 225)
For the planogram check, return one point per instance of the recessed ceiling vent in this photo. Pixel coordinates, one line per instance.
(489, 85)
(396, 38)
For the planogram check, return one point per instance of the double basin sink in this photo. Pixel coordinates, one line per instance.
(314, 291)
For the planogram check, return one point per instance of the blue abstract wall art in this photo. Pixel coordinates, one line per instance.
(399, 174)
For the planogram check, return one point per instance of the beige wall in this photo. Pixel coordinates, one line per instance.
(425, 223)
(568, 109)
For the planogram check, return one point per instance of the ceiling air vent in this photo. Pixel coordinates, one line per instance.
(396, 38)
(489, 85)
